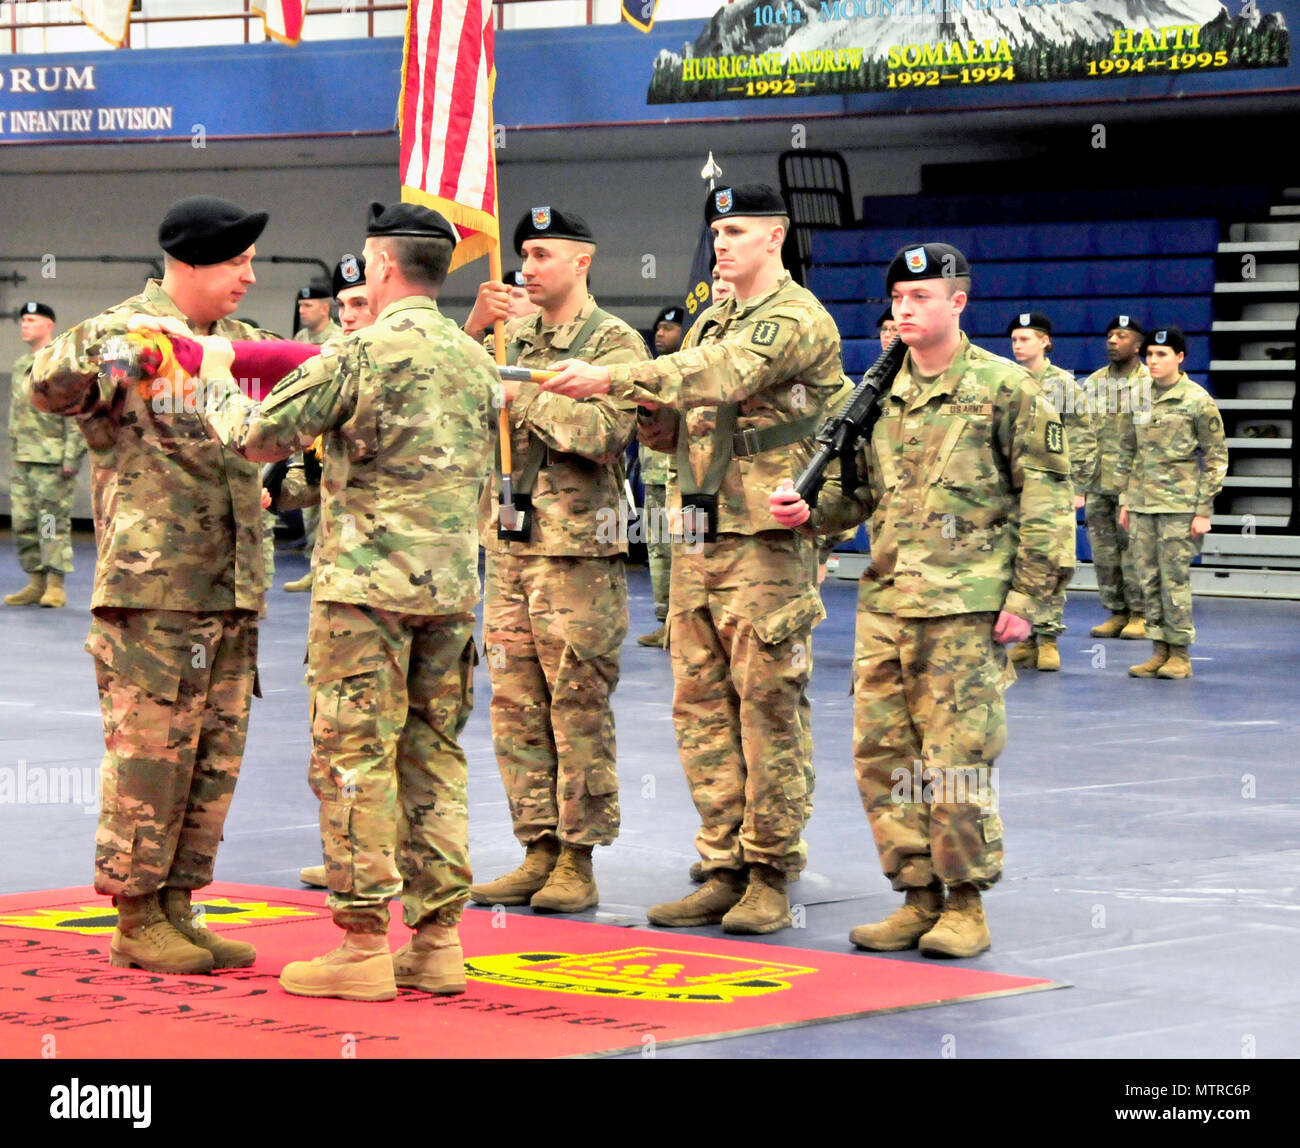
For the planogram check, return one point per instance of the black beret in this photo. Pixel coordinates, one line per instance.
(926, 261)
(34, 308)
(409, 219)
(885, 316)
(513, 279)
(1033, 320)
(350, 272)
(1171, 337)
(744, 199)
(203, 230)
(547, 223)
(316, 289)
(1124, 323)
(670, 315)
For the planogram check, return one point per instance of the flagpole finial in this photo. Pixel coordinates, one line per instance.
(711, 171)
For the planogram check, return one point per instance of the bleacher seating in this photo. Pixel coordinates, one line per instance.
(1080, 274)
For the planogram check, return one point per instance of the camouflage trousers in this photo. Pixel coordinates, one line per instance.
(40, 505)
(268, 547)
(659, 548)
(175, 690)
(929, 720)
(1163, 548)
(552, 632)
(390, 696)
(740, 621)
(1118, 583)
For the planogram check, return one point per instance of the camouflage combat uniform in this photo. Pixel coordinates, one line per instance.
(311, 510)
(1164, 486)
(178, 590)
(1114, 398)
(655, 470)
(968, 489)
(1070, 401)
(331, 330)
(555, 607)
(41, 447)
(405, 410)
(742, 609)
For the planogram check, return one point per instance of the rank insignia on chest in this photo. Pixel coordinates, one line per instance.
(1055, 438)
(765, 333)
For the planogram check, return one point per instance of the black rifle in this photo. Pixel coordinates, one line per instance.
(844, 433)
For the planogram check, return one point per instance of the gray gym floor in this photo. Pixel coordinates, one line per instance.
(1153, 831)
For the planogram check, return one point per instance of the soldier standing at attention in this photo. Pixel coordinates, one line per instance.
(178, 590)
(967, 482)
(391, 637)
(555, 599)
(887, 327)
(1167, 496)
(1031, 338)
(1117, 391)
(656, 466)
(747, 392)
(45, 451)
(314, 315)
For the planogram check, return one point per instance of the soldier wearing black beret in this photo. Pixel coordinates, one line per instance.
(668, 329)
(887, 327)
(317, 326)
(1115, 392)
(350, 293)
(164, 491)
(741, 400)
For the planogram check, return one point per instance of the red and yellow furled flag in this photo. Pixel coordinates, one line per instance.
(282, 19)
(448, 162)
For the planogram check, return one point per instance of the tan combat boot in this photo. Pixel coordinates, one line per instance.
(518, 886)
(1025, 653)
(226, 954)
(1049, 657)
(706, 906)
(431, 961)
(1178, 666)
(1159, 656)
(570, 888)
(764, 908)
(299, 585)
(962, 930)
(360, 969)
(903, 927)
(1111, 627)
(313, 875)
(654, 638)
(145, 939)
(29, 595)
(1136, 629)
(54, 593)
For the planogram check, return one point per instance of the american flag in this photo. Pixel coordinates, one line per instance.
(448, 162)
(282, 19)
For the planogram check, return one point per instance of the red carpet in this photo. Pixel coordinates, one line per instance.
(540, 987)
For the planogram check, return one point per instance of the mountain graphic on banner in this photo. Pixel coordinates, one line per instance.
(797, 47)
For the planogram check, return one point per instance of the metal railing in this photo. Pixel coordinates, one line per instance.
(10, 23)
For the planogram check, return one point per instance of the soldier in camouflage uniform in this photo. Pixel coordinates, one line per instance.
(45, 451)
(317, 329)
(656, 468)
(177, 594)
(1030, 333)
(1167, 497)
(967, 482)
(555, 601)
(1117, 391)
(742, 399)
(406, 414)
